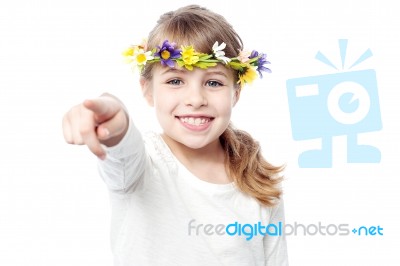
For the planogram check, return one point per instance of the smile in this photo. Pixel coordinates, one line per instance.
(195, 122)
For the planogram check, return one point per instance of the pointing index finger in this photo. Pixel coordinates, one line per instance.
(104, 108)
(97, 106)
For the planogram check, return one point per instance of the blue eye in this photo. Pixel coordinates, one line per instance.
(213, 83)
(175, 82)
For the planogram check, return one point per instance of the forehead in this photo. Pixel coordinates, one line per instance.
(219, 69)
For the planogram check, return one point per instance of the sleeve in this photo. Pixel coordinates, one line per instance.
(275, 246)
(125, 162)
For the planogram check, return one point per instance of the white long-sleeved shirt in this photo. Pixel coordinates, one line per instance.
(164, 215)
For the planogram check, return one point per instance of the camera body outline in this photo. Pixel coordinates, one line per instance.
(329, 105)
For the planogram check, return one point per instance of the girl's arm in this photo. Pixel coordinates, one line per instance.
(125, 165)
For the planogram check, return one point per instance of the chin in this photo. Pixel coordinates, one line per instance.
(194, 142)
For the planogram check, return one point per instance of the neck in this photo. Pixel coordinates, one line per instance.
(212, 153)
(206, 163)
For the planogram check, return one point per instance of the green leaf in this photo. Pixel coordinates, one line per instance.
(237, 65)
(205, 65)
(180, 63)
(205, 56)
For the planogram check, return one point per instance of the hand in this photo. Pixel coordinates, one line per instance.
(98, 121)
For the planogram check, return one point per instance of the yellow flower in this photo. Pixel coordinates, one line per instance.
(248, 76)
(130, 53)
(189, 57)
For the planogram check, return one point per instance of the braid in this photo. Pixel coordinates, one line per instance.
(250, 171)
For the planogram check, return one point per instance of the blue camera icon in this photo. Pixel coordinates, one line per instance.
(325, 106)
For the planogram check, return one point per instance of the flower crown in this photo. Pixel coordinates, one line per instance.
(246, 63)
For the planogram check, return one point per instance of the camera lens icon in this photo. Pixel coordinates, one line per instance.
(348, 102)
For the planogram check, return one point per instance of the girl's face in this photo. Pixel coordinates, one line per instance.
(193, 107)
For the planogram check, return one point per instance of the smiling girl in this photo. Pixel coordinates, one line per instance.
(173, 194)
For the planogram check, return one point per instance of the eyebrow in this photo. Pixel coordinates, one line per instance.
(217, 72)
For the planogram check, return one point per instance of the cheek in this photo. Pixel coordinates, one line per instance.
(225, 105)
(163, 102)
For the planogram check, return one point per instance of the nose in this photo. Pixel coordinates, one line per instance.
(195, 96)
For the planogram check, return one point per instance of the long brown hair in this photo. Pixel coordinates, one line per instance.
(200, 27)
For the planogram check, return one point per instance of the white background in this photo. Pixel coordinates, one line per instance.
(54, 208)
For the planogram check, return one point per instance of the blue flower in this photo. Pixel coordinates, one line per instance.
(253, 54)
(261, 61)
(167, 52)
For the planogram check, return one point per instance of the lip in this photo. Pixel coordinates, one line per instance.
(193, 127)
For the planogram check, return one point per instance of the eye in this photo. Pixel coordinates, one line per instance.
(214, 83)
(175, 82)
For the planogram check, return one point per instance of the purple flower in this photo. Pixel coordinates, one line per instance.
(261, 61)
(167, 52)
(253, 54)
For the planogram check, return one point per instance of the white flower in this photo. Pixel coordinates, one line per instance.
(141, 57)
(218, 53)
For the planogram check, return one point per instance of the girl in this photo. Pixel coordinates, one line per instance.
(200, 193)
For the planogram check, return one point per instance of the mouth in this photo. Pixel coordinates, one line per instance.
(192, 122)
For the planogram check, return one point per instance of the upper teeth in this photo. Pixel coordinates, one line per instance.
(194, 121)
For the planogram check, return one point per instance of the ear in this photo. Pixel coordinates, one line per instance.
(147, 91)
(236, 95)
